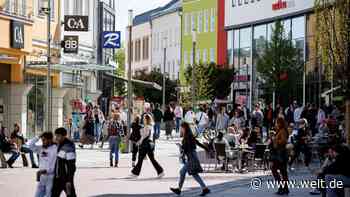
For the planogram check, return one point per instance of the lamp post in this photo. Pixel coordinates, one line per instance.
(164, 74)
(47, 10)
(194, 43)
(129, 77)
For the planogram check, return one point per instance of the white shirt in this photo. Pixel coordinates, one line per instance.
(47, 156)
(189, 117)
(202, 118)
(297, 113)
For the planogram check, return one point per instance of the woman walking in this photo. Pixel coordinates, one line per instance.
(88, 130)
(135, 137)
(191, 163)
(115, 131)
(279, 155)
(146, 147)
(169, 122)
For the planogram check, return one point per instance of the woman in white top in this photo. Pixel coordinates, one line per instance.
(146, 147)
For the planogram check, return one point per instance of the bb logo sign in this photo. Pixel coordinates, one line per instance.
(17, 35)
(70, 44)
(111, 39)
(76, 23)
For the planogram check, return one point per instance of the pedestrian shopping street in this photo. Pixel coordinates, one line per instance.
(95, 178)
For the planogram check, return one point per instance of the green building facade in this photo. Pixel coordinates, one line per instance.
(200, 15)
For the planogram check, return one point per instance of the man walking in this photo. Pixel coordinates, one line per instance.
(158, 116)
(178, 115)
(65, 165)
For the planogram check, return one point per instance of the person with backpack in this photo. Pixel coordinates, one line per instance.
(202, 120)
(115, 133)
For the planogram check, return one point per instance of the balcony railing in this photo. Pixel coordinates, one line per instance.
(16, 8)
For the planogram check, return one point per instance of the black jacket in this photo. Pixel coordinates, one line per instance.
(65, 165)
(340, 165)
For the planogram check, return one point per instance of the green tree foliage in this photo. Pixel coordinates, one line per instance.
(211, 82)
(333, 38)
(152, 95)
(120, 86)
(280, 65)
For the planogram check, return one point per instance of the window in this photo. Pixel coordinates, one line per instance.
(205, 56)
(212, 54)
(287, 28)
(40, 6)
(138, 50)
(245, 46)
(260, 41)
(200, 22)
(186, 23)
(298, 35)
(185, 59)
(145, 48)
(198, 56)
(206, 20)
(212, 20)
(193, 24)
(236, 48)
(230, 48)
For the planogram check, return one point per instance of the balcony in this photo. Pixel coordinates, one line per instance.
(16, 8)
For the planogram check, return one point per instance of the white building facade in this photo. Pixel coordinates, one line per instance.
(166, 40)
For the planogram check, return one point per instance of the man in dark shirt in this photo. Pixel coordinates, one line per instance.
(157, 115)
(65, 165)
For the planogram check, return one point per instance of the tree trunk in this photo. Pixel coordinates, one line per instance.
(347, 120)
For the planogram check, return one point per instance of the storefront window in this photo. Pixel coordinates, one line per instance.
(230, 48)
(298, 35)
(260, 41)
(286, 27)
(245, 46)
(236, 48)
(270, 28)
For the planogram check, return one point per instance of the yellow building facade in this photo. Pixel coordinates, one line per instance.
(23, 38)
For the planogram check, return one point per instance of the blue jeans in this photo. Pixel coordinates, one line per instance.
(13, 157)
(331, 178)
(114, 142)
(196, 177)
(25, 149)
(156, 133)
(44, 186)
(178, 123)
(97, 127)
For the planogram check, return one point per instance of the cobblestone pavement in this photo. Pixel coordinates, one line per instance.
(95, 178)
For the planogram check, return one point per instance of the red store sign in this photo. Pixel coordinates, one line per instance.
(279, 5)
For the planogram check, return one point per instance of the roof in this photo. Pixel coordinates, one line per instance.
(144, 17)
(172, 6)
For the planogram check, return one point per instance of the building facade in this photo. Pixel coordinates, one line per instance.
(16, 22)
(249, 25)
(166, 39)
(202, 17)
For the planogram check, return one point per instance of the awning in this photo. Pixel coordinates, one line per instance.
(73, 67)
(145, 83)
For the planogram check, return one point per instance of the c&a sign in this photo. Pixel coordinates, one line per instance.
(17, 35)
(76, 23)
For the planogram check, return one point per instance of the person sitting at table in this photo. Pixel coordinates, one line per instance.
(244, 137)
(221, 140)
(254, 138)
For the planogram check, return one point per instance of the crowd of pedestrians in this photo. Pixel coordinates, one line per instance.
(287, 132)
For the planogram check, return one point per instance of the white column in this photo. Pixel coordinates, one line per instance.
(57, 106)
(14, 98)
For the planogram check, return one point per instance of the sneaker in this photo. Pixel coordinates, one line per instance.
(176, 191)
(205, 192)
(132, 176)
(35, 166)
(161, 175)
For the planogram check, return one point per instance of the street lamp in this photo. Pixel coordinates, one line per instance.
(194, 42)
(46, 8)
(164, 74)
(129, 77)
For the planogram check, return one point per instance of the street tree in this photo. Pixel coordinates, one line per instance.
(333, 38)
(149, 93)
(119, 84)
(280, 64)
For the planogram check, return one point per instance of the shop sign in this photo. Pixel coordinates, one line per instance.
(70, 44)
(76, 23)
(111, 39)
(280, 5)
(17, 35)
